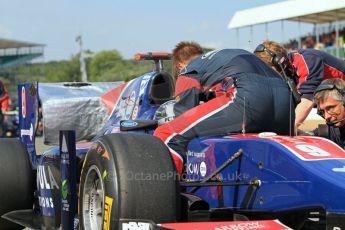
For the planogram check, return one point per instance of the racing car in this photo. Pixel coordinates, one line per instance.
(124, 178)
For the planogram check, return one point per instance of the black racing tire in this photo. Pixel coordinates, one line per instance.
(16, 180)
(132, 176)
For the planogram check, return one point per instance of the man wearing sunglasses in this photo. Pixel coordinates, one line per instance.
(330, 100)
(307, 67)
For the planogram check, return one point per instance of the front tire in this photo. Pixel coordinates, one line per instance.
(127, 176)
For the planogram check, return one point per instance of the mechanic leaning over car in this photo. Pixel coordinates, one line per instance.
(221, 92)
(187, 51)
(307, 67)
(330, 100)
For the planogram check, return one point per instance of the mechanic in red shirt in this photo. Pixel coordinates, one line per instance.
(224, 91)
(330, 100)
(308, 68)
(4, 97)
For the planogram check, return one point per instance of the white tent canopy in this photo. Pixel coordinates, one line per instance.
(309, 11)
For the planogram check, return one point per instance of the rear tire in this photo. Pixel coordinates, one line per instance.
(16, 180)
(127, 176)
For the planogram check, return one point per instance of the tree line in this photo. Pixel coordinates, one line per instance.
(104, 66)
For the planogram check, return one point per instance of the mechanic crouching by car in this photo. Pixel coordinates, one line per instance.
(330, 100)
(221, 92)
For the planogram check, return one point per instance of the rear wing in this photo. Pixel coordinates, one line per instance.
(28, 116)
(156, 57)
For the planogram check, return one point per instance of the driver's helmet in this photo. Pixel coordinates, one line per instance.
(165, 112)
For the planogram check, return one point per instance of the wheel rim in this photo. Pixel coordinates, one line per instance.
(93, 198)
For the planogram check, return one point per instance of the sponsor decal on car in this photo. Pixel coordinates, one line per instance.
(32, 90)
(46, 182)
(196, 154)
(27, 132)
(64, 153)
(234, 225)
(108, 202)
(45, 202)
(99, 149)
(64, 189)
(64, 161)
(203, 169)
(198, 168)
(23, 102)
(68, 180)
(135, 226)
(106, 155)
(129, 123)
(196, 165)
(305, 148)
(193, 168)
(64, 193)
(318, 149)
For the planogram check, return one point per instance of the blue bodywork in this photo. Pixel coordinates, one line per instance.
(134, 103)
(287, 180)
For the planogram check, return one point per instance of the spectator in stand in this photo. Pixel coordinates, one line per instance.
(319, 46)
(307, 67)
(309, 43)
(327, 40)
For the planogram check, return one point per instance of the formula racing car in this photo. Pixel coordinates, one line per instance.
(113, 173)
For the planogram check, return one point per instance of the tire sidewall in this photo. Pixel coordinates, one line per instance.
(97, 156)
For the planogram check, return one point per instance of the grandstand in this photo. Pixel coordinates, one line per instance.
(14, 53)
(316, 12)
